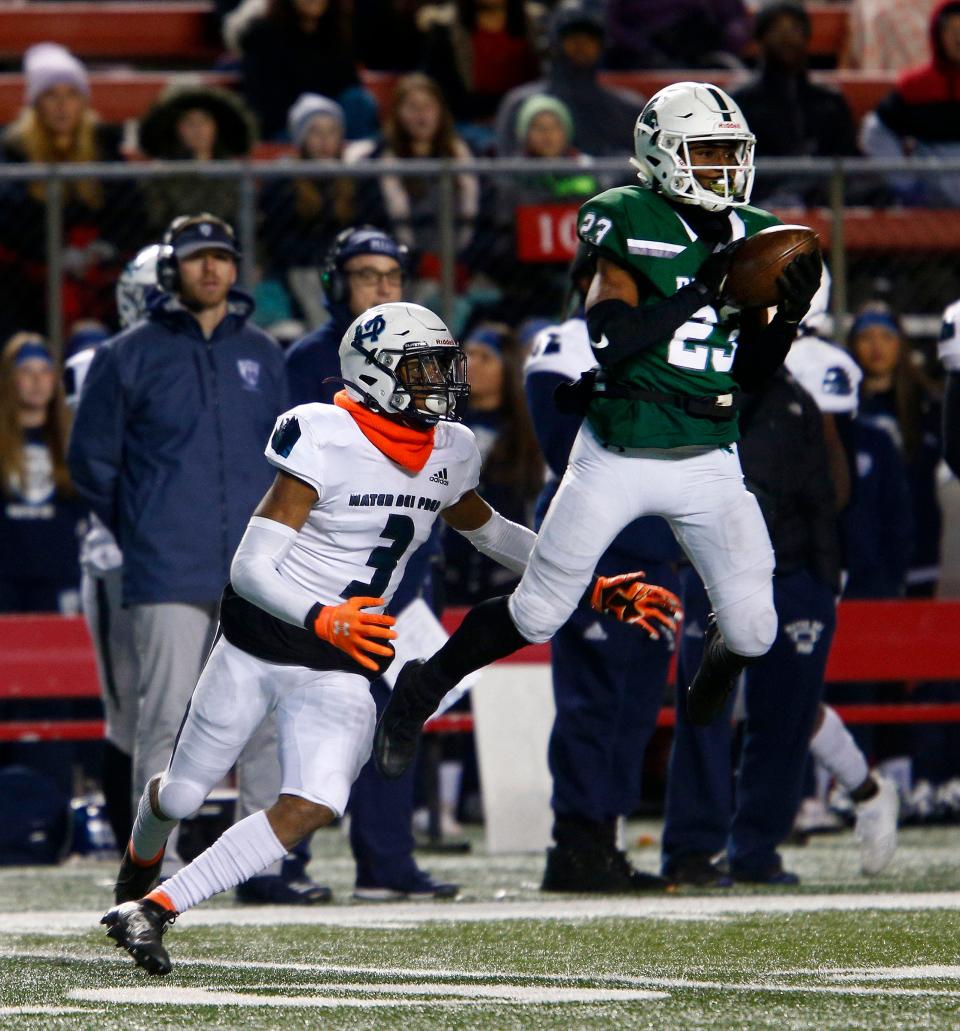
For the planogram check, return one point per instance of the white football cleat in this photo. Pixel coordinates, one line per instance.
(876, 826)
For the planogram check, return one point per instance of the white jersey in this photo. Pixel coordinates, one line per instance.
(371, 514)
(563, 350)
(827, 372)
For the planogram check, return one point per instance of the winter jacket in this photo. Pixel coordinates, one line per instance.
(167, 445)
(317, 357)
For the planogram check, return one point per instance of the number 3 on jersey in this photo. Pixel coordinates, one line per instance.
(688, 352)
(399, 530)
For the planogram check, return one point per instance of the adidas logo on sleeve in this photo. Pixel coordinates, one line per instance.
(440, 477)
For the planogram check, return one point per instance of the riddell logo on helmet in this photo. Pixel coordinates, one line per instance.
(729, 125)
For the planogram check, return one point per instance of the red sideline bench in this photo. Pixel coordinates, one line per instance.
(51, 657)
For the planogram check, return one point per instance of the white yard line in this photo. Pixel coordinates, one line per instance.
(401, 916)
(450, 993)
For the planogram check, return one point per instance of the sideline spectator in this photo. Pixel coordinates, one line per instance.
(921, 117)
(886, 35)
(300, 217)
(790, 115)
(41, 516)
(676, 34)
(544, 129)
(171, 421)
(896, 397)
(297, 47)
(41, 520)
(608, 683)
(101, 585)
(100, 219)
(782, 689)
(420, 125)
(195, 123)
(603, 118)
(479, 50)
(512, 472)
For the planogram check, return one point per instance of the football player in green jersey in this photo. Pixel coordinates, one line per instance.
(659, 437)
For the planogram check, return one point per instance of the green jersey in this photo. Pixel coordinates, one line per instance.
(640, 231)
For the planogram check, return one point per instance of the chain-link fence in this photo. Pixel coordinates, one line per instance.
(488, 238)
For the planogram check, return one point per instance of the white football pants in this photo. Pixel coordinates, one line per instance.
(324, 722)
(701, 494)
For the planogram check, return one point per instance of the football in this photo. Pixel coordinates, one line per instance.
(757, 265)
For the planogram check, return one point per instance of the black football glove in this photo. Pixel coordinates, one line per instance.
(712, 274)
(797, 284)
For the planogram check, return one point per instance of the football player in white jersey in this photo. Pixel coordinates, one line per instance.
(359, 485)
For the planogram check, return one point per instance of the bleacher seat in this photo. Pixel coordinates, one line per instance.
(180, 32)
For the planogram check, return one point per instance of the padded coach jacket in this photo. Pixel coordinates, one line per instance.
(167, 446)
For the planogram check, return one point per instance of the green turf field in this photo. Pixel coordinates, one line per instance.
(839, 952)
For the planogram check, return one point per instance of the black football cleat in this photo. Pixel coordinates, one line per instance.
(135, 880)
(138, 927)
(397, 735)
(601, 870)
(715, 680)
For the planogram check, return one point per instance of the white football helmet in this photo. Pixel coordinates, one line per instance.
(685, 113)
(136, 282)
(401, 360)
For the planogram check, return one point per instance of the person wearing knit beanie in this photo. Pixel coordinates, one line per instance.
(307, 107)
(46, 65)
(538, 104)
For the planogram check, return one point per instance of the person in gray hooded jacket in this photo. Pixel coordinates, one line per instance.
(603, 118)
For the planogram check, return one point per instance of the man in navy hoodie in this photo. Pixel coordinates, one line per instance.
(167, 450)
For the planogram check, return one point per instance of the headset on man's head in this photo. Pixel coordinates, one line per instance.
(168, 268)
(352, 242)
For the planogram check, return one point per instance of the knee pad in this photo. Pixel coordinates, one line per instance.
(179, 798)
(750, 628)
(534, 623)
(545, 599)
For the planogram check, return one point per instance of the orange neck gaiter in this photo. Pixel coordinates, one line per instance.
(408, 447)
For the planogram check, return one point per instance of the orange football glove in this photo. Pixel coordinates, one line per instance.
(629, 598)
(356, 632)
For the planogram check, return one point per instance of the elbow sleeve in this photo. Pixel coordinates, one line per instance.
(255, 573)
(505, 542)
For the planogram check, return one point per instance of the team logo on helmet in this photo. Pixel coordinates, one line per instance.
(370, 330)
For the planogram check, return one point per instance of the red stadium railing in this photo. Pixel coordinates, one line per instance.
(45, 657)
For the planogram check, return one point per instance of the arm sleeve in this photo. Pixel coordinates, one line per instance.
(255, 571)
(760, 355)
(619, 330)
(95, 452)
(505, 542)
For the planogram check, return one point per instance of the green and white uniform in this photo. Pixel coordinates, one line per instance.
(640, 231)
(640, 457)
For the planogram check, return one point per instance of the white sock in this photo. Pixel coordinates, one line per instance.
(245, 849)
(450, 775)
(834, 747)
(149, 833)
